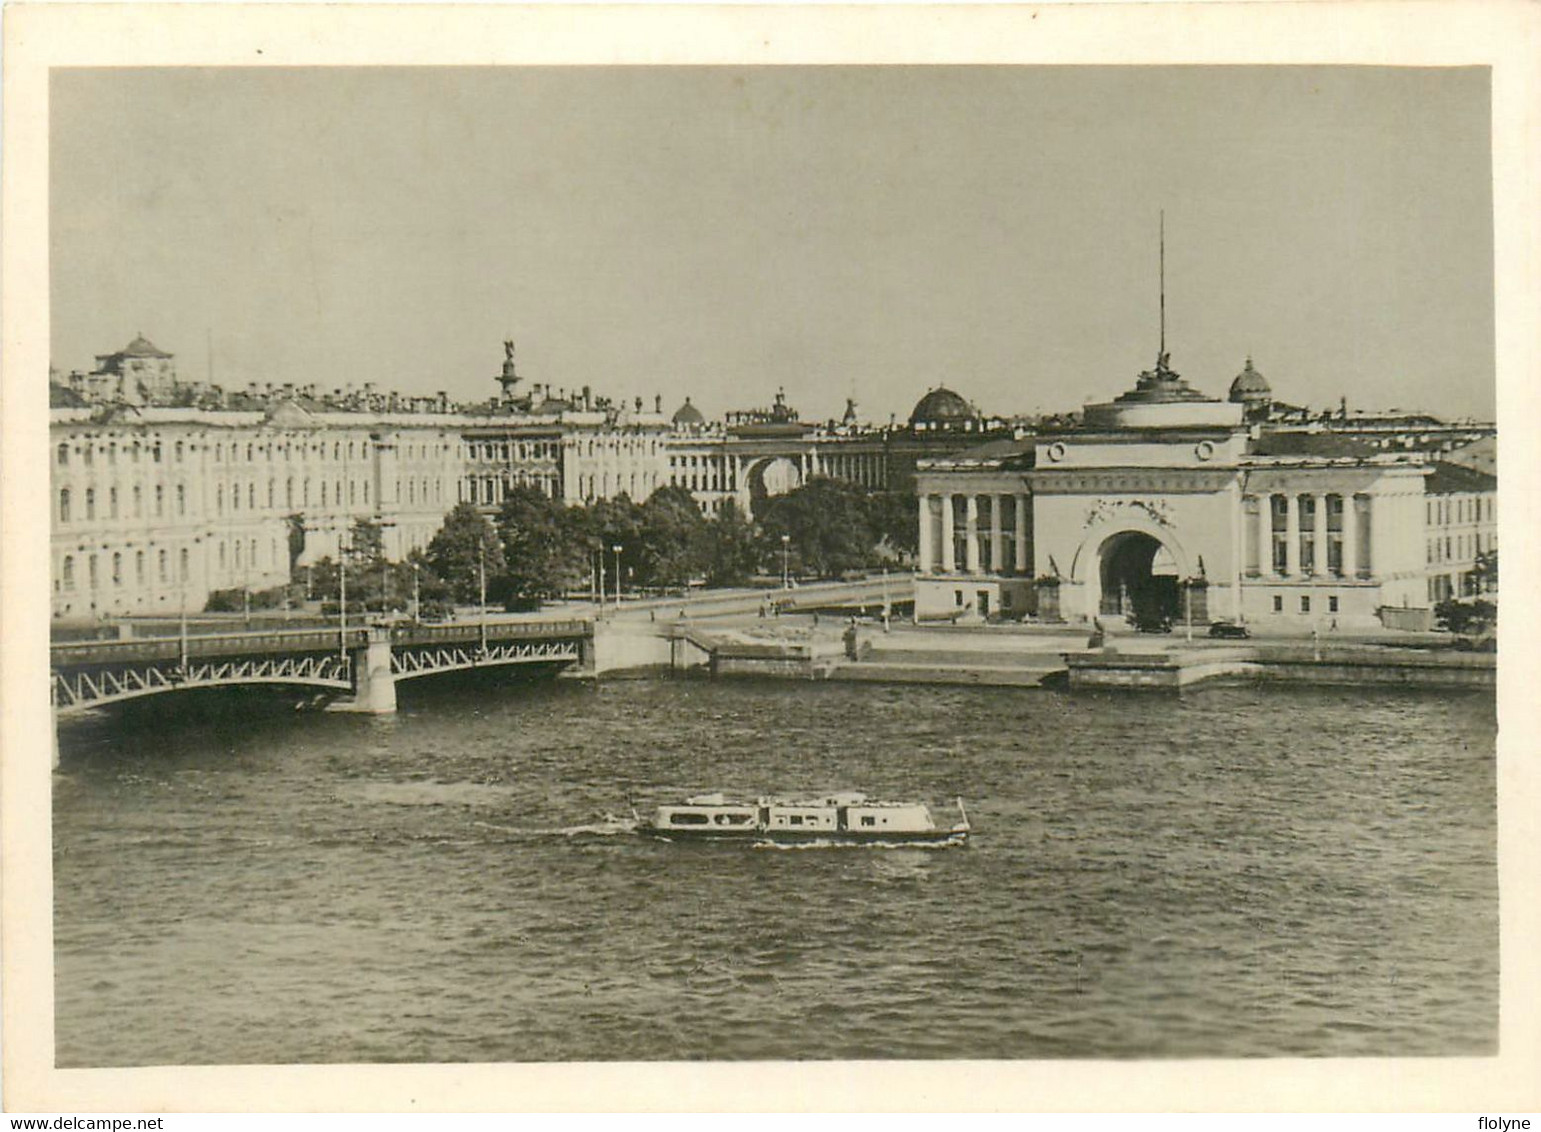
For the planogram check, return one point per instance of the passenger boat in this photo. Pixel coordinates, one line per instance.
(845, 818)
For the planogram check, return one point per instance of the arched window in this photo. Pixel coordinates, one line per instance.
(160, 562)
(64, 505)
(181, 499)
(139, 567)
(91, 570)
(64, 455)
(219, 499)
(183, 557)
(160, 501)
(112, 502)
(155, 452)
(138, 502)
(117, 569)
(270, 493)
(251, 496)
(221, 555)
(69, 571)
(289, 492)
(90, 505)
(219, 453)
(323, 493)
(305, 499)
(237, 554)
(337, 450)
(179, 452)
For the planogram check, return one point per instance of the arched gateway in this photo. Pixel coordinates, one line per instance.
(1137, 578)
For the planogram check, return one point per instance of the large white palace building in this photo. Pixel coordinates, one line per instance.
(1165, 504)
(1163, 501)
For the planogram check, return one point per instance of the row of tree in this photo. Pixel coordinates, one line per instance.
(536, 547)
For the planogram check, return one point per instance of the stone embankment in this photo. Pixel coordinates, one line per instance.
(1016, 657)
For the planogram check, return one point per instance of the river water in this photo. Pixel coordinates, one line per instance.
(1238, 872)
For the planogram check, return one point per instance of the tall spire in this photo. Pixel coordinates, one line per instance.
(1161, 356)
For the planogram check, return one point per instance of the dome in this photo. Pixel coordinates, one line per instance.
(1250, 385)
(942, 408)
(142, 347)
(688, 414)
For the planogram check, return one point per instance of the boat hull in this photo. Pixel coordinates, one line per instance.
(809, 837)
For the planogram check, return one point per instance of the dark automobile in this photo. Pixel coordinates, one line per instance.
(1228, 630)
(1153, 623)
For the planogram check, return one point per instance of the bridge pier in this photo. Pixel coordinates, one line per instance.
(374, 684)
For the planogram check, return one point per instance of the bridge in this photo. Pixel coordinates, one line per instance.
(357, 668)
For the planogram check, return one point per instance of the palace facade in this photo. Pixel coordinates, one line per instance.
(1165, 505)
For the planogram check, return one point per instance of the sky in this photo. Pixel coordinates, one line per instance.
(722, 232)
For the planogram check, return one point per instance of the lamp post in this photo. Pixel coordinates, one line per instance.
(182, 624)
(342, 596)
(617, 549)
(417, 594)
(786, 546)
(481, 572)
(601, 581)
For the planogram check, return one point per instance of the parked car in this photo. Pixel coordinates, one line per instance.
(1229, 630)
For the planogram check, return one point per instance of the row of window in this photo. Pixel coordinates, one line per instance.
(331, 494)
(1461, 509)
(1460, 548)
(505, 450)
(242, 553)
(1305, 603)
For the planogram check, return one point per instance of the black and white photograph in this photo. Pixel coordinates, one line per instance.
(741, 562)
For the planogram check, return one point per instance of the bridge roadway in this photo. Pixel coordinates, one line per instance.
(357, 667)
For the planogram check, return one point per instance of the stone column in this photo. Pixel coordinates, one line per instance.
(925, 533)
(1319, 563)
(971, 532)
(1350, 537)
(997, 537)
(949, 558)
(1023, 565)
(1291, 534)
(1265, 535)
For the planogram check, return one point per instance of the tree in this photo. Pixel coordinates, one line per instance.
(1465, 617)
(1484, 572)
(544, 544)
(892, 514)
(828, 524)
(731, 549)
(461, 546)
(671, 538)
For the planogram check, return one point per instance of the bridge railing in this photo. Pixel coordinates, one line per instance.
(75, 653)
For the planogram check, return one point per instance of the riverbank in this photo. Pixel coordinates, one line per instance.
(1057, 657)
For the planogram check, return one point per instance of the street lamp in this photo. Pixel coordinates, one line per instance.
(481, 562)
(417, 594)
(342, 595)
(601, 557)
(617, 549)
(786, 545)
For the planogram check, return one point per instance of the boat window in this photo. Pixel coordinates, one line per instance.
(687, 819)
(868, 819)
